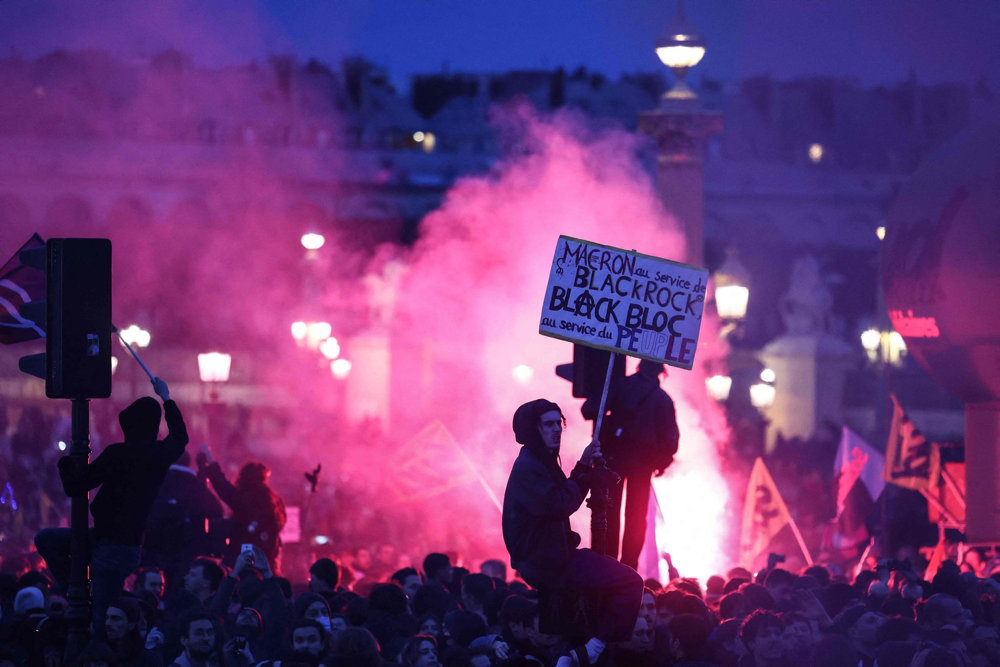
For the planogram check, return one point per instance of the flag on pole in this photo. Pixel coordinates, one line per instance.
(431, 463)
(858, 468)
(20, 284)
(910, 460)
(764, 513)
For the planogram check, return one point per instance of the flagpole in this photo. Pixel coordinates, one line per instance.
(798, 538)
(864, 556)
(134, 355)
(482, 482)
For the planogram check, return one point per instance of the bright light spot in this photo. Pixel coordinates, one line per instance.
(114, 364)
(767, 375)
(316, 333)
(731, 301)
(299, 330)
(340, 368)
(718, 387)
(321, 539)
(762, 395)
(816, 153)
(135, 335)
(61, 445)
(680, 55)
(694, 536)
(330, 348)
(418, 137)
(429, 142)
(214, 366)
(880, 232)
(312, 241)
(870, 339)
(523, 373)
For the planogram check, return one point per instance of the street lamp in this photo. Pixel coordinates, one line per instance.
(340, 368)
(762, 393)
(731, 291)
(213, 369)
(680, 47)
(312, 241)
(214, 366)
(135, 336)
(330, 348)
(718, 387)
(311, 334)
(886, 347)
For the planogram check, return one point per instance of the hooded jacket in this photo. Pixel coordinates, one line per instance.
(129, 473)
(538, 503)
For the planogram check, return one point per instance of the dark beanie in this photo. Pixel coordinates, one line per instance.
(526, 421)
(141, 420)
(305, 600)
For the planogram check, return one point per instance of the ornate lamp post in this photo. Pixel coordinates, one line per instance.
(680, 128)
(680, 47)
(213, 369)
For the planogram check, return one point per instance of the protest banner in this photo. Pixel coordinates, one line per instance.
(624, 301)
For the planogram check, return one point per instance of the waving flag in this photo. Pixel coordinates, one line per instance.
(20, 284)
(859, 482)
(764, 513)
(910, 460)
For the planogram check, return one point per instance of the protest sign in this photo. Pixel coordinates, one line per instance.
(623, 301)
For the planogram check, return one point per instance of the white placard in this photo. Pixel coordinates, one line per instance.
(623, 301)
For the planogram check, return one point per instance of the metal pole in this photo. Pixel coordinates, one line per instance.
(78, 592)
(603, 480)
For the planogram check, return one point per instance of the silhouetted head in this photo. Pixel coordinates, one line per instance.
(651, 368)
(141, 420)
(253, 474)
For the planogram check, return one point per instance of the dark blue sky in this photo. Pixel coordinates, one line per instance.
(872, 40)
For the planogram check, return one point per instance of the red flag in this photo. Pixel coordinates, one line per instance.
(20, 284)
(764, 513)
(910, 461)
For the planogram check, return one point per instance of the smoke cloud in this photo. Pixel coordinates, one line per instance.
(435, 331)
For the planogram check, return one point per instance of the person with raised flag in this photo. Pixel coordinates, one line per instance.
(537, 505)
(130, 474)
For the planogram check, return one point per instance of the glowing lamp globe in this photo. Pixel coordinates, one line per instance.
(135, 335)
(214, 366)
(718, 387)
(330, 348)
(680, 47)
(731, 292)
(762, 395)
(340, 368)
(312, 241)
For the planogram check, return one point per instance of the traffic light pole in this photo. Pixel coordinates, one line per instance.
(78, 593)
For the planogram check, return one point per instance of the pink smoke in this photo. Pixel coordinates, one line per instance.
(475, 285)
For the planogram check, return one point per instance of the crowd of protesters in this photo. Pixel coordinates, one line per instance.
(441, 613)
(191, 603)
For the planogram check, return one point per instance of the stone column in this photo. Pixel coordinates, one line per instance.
(680, 128)
(809, 383)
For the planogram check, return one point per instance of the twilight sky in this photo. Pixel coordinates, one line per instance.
(872, 40)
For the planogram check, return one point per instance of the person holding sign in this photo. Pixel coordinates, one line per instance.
(537, 505)
(640, 435)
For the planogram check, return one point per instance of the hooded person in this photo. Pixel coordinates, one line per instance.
(130, 474)
(537, 505)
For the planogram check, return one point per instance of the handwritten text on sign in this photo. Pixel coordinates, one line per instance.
(623, 301)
